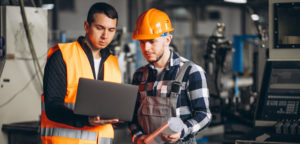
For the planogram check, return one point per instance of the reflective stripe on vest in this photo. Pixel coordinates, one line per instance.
(75, 134)
(78, 66)
(69, 133)
(105, 141)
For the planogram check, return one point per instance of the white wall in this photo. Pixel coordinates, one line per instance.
(20, 97)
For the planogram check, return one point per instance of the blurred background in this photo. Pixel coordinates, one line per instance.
(250, 51)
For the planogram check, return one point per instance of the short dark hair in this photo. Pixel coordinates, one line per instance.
(104, 8)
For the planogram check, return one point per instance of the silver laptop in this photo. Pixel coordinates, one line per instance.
(106, 99)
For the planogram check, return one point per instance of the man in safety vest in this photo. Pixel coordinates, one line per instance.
(159, 98)
(88, 57)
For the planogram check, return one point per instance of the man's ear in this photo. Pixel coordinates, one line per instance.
(168, 39)
(86, 26)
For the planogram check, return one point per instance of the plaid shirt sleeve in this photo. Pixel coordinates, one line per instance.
(197, 92)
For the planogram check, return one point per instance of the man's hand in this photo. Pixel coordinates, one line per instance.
(95, 120)
(172, 138)
(140, 140)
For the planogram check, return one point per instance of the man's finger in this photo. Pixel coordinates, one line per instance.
(172, 137)
(110, 121)
(97, 118)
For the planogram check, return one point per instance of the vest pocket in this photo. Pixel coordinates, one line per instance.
(155, 110)
(151, 117)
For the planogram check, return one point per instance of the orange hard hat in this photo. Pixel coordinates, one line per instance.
(152, 24)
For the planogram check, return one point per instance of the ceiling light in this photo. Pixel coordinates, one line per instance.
(255, 17)
(236, 1)
(48, 6)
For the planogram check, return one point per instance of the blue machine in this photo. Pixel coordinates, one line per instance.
(238, 54)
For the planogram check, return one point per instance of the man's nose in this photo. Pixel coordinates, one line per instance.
(147, 46)
(104, 34)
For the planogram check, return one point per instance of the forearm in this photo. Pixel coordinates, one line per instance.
(198, 95)
(195, 124)
(201, 115)
(61, 114)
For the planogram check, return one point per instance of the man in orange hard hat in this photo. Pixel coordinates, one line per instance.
(169, 86)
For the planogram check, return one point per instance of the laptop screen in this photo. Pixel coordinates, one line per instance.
(106, 99)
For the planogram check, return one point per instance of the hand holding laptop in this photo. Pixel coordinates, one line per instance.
(96, 120)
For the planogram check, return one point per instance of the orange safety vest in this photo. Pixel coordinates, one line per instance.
(78, 66)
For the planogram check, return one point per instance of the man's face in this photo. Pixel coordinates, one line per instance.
(153, 49)
(101, 31)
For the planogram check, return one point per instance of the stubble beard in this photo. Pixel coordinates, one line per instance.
(154, 61)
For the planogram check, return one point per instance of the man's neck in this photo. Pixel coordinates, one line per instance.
(95, 51)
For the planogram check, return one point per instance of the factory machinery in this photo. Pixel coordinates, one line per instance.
(254, 110)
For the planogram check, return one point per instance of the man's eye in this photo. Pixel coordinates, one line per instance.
(111, 30)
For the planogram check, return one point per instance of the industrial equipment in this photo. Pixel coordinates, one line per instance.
(218, 48)
(277, 114)
(284, 30)
(279, 99)
(230, 87)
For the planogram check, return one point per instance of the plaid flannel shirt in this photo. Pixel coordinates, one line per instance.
(192, 102)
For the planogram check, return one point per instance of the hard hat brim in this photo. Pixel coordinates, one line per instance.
(146, 37)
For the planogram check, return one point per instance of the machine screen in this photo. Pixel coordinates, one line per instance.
(286, 25)
(280, 93)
